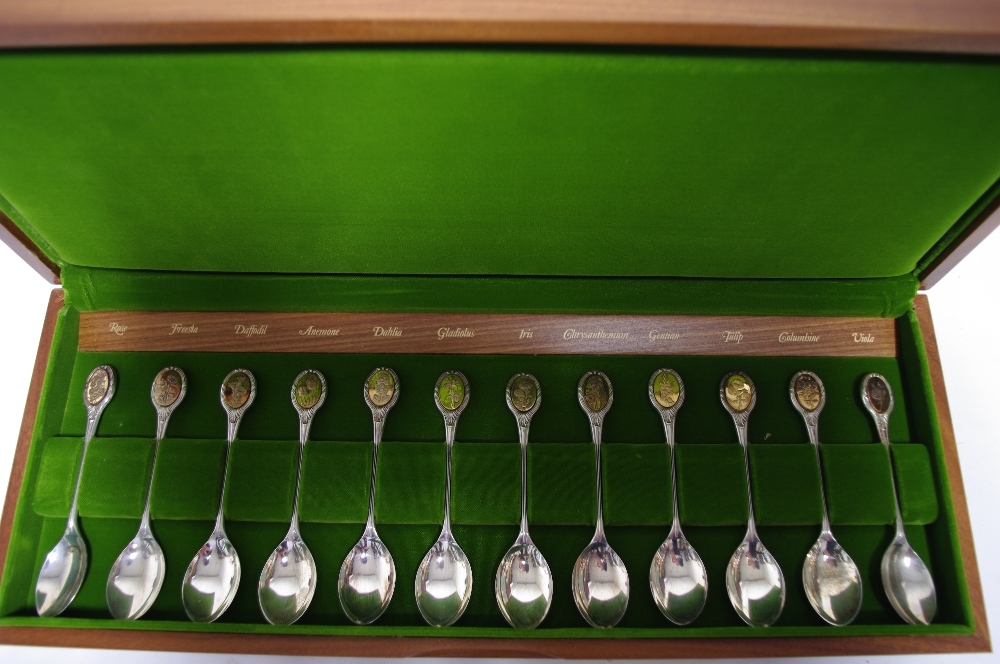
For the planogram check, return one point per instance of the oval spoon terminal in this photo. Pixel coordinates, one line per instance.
(831, 579)
(600, 579)
(677, 575)
(288, 580)
(523, 585)
(368, 574)
(213, 575)
(136, 577)
(906, 579)
(65, 566)
(754, 581)
(443, 585)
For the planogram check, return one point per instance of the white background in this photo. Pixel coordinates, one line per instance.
(966, 316)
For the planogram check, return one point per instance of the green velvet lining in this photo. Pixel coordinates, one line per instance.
(54, 491)
(914, 478)
(858, 484)
(717, 495)
(261, 480)
(115, 476)
(411, 480)
(414, 160)
(187, 482)
(786, 488)
(562, 481)
(331, 475)
(92, 289)
(636, 485)
(486, 497)
(486, 485)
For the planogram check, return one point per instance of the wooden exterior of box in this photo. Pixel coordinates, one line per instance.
(964, 26)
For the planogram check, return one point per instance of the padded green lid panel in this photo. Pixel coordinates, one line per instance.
(502, 162)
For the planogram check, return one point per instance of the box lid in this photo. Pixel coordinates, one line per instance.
(499, 161)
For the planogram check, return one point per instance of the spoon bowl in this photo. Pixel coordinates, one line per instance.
(908, 583)
(367, 580)
(678, 580)
(600, 585)
(524, 586)
(832, 581)
(211, 580)
(755, 583)
(444, 582)
(61, 575)
(136, 578)
(287, 582)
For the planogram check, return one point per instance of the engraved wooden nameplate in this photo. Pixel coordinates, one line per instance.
(482, 334)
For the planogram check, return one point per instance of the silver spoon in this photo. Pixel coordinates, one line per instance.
(831, 579)
(677, 575)
(906, 579)
(754, 580)
(212, 577)
(368, 573)
(137, 575)
(443, 584)
(600, 580)
(524, 581)
(65, 565)
(288, 580)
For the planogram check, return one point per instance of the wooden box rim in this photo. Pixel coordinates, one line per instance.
(946, 26)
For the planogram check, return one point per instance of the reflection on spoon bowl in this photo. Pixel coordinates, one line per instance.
(367, 581)
(61, 575)
(211, 580)
(755, 584)
(287, 582)
(600, 585)
(678, 580)
(524, 586)
(832, 581)
(908, 583)
(136, 578)
(443, 583)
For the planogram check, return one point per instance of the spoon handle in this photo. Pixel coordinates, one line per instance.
(449, 435)
(668, 431)
(741, 432)
(882, 424)
(876, 395)
(93, 417)
(522, 433)
(305, 423)
(161, 430)
(812, 427)
(233, 425)
(595, 432)
(378, 423)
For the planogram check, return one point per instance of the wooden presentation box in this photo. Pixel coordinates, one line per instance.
(548, 188)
